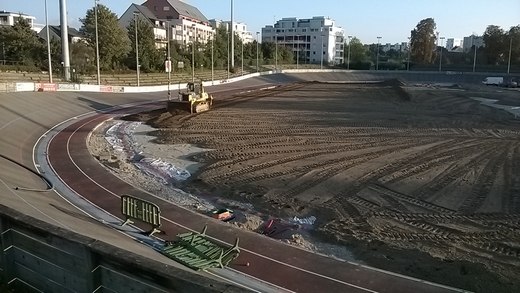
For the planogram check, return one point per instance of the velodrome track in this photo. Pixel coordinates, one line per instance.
(25, 117)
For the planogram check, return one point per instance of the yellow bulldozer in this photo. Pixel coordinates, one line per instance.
(194, 100)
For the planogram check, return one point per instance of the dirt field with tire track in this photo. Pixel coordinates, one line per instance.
(425, 175)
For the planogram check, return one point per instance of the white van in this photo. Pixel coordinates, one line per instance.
(493, 80)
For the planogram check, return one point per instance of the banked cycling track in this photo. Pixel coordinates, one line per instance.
(25, 121)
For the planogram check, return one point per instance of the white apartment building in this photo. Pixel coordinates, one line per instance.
(159, 27)
(453, 42)
(9, 18)
(239, 28)
(315, 39)
(471, 41)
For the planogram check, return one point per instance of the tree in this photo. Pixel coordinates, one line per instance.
(513, 38)
(149, 56)
(495, 45)
(113, 40)
(357, 51)
(21, 43)
(423, 40)
(82, 57)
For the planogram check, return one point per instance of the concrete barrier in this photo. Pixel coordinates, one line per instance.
(50, 259)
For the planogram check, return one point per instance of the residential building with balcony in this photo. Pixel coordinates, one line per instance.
(159, 27)
(188, 23)
(239, 28)
(316, 39)
(9, 19)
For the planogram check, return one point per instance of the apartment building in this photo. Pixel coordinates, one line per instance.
(188, 23)
(471, 41)
(9, 18)
(239, 28)
(142, 12)
(316, 39)
(453, 43)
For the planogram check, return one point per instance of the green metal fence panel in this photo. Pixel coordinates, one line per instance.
(134, 208)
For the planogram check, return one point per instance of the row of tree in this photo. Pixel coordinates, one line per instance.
(117, 48)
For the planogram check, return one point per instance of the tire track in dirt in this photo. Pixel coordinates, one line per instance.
(455, 171)
(215, 176)
(484, 182)
(513, 196)
(436, 157)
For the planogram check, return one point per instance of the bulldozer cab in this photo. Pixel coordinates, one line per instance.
(195, 88)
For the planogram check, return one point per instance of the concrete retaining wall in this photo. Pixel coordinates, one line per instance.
(410, 76)
(50, 259)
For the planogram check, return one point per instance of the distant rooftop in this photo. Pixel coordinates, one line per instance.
(3, 12)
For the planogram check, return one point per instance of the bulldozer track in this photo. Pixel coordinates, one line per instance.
(436, 156)
(409, 199)
(325, 174)
(484, 183)
(280, 161)
(452, 173)
(513, 200)
(437, 217)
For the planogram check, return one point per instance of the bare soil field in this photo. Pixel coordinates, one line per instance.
(423, 181)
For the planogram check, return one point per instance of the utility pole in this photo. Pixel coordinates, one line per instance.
(212, 37)
(321, 49)
(193, 54)
(257, 66)
(409, 49)
(510, 47)
(475, 55)
(377, 60)
(276, 52)
(64, 39)
(97, 41)
(49, 44)
(440, 58)
(136, 48)
(169, 59)
(297, 50)
(242, 72)
(232, 38)
(348, 54)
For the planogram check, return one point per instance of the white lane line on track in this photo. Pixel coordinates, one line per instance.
(187, 228)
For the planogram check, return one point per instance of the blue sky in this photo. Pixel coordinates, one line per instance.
(390, 19)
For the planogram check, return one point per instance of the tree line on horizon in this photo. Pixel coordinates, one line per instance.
(22, 46)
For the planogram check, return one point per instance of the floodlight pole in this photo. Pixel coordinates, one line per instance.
(510, 47)
(136, 48)
(257, 67)
(64, 39)
(348, 54)
(377, 60)
(169, 59)
(97, 41)
(49, 43)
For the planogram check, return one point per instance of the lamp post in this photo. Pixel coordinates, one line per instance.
(276, 52)
(475, 55)
(297, 51)
(49, 44)
(348, 54)
(510, 47)
(257, 67)
(409, 49)
(440, 57)
(97, 42)
(136, 47)
(212, 77)
(232, 38)
(321, 49)
(228, 61)
(377, 60)
(65, 37)
(193, 53)
(242, 41)
(169, 58)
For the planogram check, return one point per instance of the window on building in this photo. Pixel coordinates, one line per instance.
(166, 8)
(313, 52)
(155, 8)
